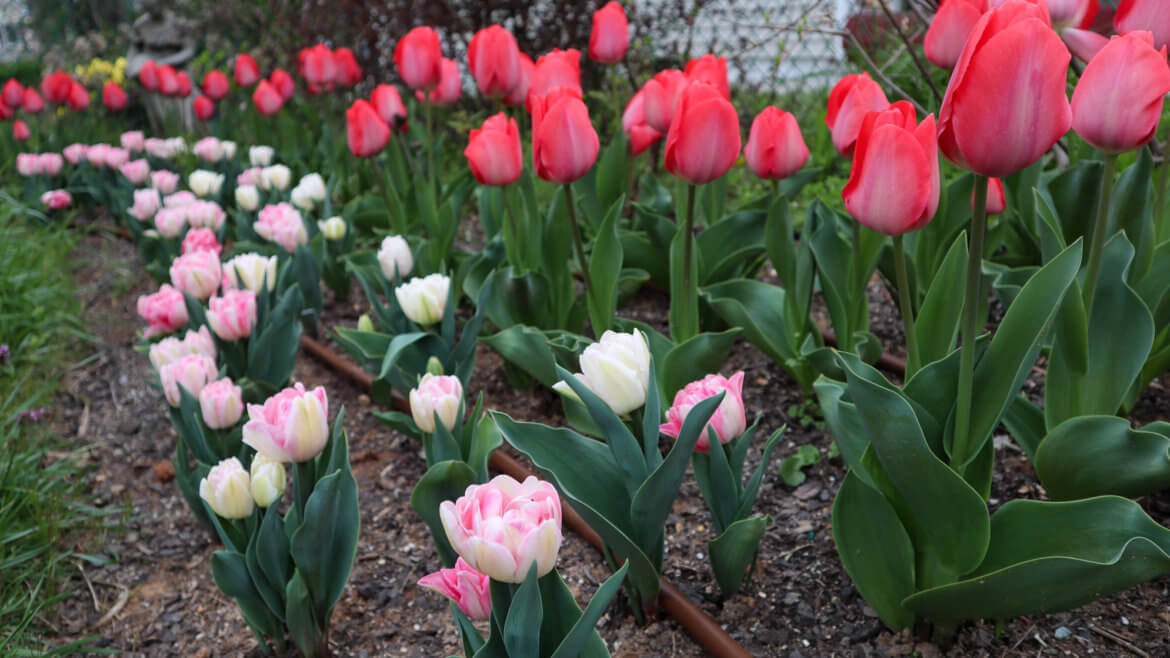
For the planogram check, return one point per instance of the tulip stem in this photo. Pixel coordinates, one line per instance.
(970, 325)
(845, 338)
(302, 485)
(1100, 230)
(1160, 230)
(384, 179)
(912, 362)
(512, 244)
(580, 245)
(690, 296)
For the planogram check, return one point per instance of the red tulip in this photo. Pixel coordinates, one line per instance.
(1083, 44)
(113, 97)
(267, 99)
(1005, 104)
(245, 71)
(662, 93)
(365, 131)
(703, 142)
(349, 72)
(449, 89)
(78, 97)
(6, 112)
(850, 99)
(519, 93)
(1090, 16)
(949, 29)
(12, 94)
(284, 84)
(564, 143)
(996, 202)
(712, 70)
(1152, 15)
(494, 153)
(494, 59)
(559, 68)
(33, 103)
(20, 131)
(168, 81)
(1118, 100)
(184, 82)
(388, 103)
(418, 58)
(215, 85)
(318, 66)
(775, 148)
(611, 34)
(56, 87)
(204, 107)
(147, 76)
(641, 135)
(1067, 13)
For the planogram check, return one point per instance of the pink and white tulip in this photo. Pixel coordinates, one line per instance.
(165, 310)
(291, 426)
(198, 274)
(468, 588)
(193, 372)
(222, 404)
(440, 395)
(729, 419)
(233, 315)
(282, 224)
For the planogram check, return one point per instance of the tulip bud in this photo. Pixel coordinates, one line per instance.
(617, 370)
(276, 177)
(564, 143)
(179, 199)
(441, 396)
(250, 272)
(283, 83)
(12, 94)
(198, 274)
(366, 132)
(170, 222)
(171, 349)
(227, 490)
(662, 92)
(282, 224)
(1118, 100)
(208, 148)
(494, 60)
(233, 315)
(301, 198)
(268, 480)
(703, 141)
(164, 181)
(222, 404)
(291, 426)
(133, 140)
(949, 29)
(395, 258)
(33, 103)
(50, 164)
(215, 85)
(519, 93)
(364, 323)
(56, 199)
(610, 35)
(712, 70)
(387, 103)
(205, 214)
(333, 228)
(494, 151)
(74, 153)
(193, 372)
(20, 131)
(417, 57)
(450, 85)
(136, 172)
(146, 203)
(851, 98)
(468, 588)
(314, 186)
(1151, 15)
(113, 97)
(200, 239)
(260, 156)
(245, 70)
(423, 300)
(775, 149)
(247, 197)
(558, 68)
(267, 99)
(729, 419)
(229, 149)
(205, 183)
(641, 135)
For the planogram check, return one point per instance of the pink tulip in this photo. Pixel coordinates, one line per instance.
(893, 186)
(12, 94)
(245, 70)
(291, 426)
(1083, 44)
(33, 103)
(136, 171)
(267, 99)
(184, 81)
(349, 72)
(205, 214)
(78, 98)
(494, 152)
(74, 153)
(850, 99)
(661, 96)
(165, 310)
(198, 274)
(388, 104)
(170, 222)
(949, 29)
(703, 141)
(116, 157)
(418, 56)
(180, 199)
(96, 154)
(504, 527)
(996, 201)
(468, 588)
(282, 224)
(365, 131)
(193, 372)
(168, 81)
(1067, 13)
(199, 239)
(559, 68)
(1005, 105)
(610, 35)
(171, 348)
(164, 181)
(113, 97)
(712, 70)
(519, 93)
(283, 83)
(494, 60)
(56, 87)
(133, 140)
(208, 148)
(319, 67)
(564, 143)
(450, 85)
(146, 203)
(233, 315)
(216, 85)
(729, 419)
(50, 164)
(20, 131)
(222, 404)
(1151, 15)
(147, 76)
(440, 396)
(203, 107)
(775, 148)
(253, 176)
(28, 164)
(641, 135)
(1118, 100)
(56, 199)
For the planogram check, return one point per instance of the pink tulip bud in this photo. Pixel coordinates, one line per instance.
(198, 274)
(170, 222)
(171, 349)
(417, 56)
(775, 148)
(468, 588)
(504, 527)
(1118, 100)
(712, 70)
(200, 239)
(20, 131)
(564, 143)
(559, 68)
(74, 153)
(193, 372)
(164, 181)
(662, 92)
(440, 395)
(136, 171)
(729, 419)
(949, 29)
(291, 426)
(703, 141)
(222, 404)
(56, 199)
(116, 157)
(610, 35)
(283, 83)
(349, 72)
(12, 94)
(146, 203)
(233, 315)
(1083, 44)
(494, 152)
(28, 164)
(133, 140)
(494, 60)
(318, 66)
(227, 490)
(450, 86)
(180, 199)
(215, 85)
(50, 163)
(388, 104)
(282, 224)
(640, 133)
(1151, 15)
(996, 202)
(33, 103)
(519, 93)
(245, 70)
(205, 214)
(208, 148)
(267, 99)
(365, 131)
(850, 99)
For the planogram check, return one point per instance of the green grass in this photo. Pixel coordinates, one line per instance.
(42, 492)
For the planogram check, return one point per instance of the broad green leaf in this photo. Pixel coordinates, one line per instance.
(734, 551)
(446, 480)
(694, 359)
(1025, 422)
(303, 624)
(941, 310)
(528, 348)
(1090, 456)
(627, 451)
(325, 545)
(230, 571)
(524, 615)
(581, 639)
(605, 267)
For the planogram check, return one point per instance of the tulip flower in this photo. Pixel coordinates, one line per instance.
(450, 85)
(6, 113)
(171, 348)
(260, 156)
(245, 71)
(146, 204)
(318, 66)
(268, 480)
(1067, 13)
(282, 224)
(227, 490)
(33, 103)
(198, 274)
(703, 141)
(56, 199)
(221, 403)
(78, 97)
(116, 157)
(204, 107)
(729, 419)
(519, 93)
(184, 84)
(394, 258)
(193, 372)
(494, 60)
(996, 201)
(148, 75)
(504, 527)
(333, 229)
(168, 82)
(215, 85)
(1118, 100)
(20, 131)
(1083, 44)
(559, 68)
(136, 172)
(74, 153)
(348, 71)
(661, 95)
(267, 99)
(113, 97)
(468, 588)
(275, 177)
(247, 197)
(775, 148)
(283, 83)
(205, 183)
(423, 300)
(712, 70)
(388, 104)
(418, 57)
(1014, 60)
(208, 148)
(164, 181)
(291, 426)
(199, 239)
(1151, 15)
(850, 99)
(436, 395)
(640, 133)
(365, 131)
(12, 94)
(949, 29)
(232, 316)
(610, 35)
(170, 222)
(494, 152)
(314, 186)
(50, 164)
(564, 143)
(133, 140)
(250, 272)
(28, 164)
(56, 87)
(617, 370)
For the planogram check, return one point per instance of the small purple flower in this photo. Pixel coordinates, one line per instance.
(33, 415)
(3, 351)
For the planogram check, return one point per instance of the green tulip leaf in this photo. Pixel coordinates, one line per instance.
(230, 571)
(525, 613)
(324, 546)
(694, 359)
(580, 638)
(734, 551)
(938, 318)
(1096, 455)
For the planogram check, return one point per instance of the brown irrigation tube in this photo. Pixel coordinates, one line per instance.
(699, 624)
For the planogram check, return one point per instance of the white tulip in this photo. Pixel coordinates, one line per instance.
(617, 370)
(423, 300)
(395, 256)
(260, 156)
(248, 197)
